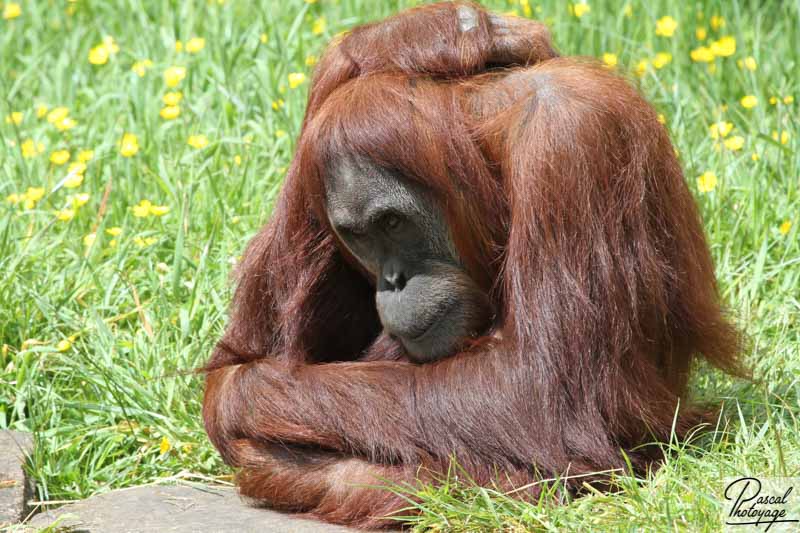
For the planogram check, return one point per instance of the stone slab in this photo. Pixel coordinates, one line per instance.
(174, 508)
(15, 487)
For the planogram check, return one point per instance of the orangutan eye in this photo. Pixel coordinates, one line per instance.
(390, 222)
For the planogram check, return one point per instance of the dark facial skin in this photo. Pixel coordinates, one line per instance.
(398, 233)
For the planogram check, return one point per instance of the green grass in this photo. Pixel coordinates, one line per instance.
(120, 405)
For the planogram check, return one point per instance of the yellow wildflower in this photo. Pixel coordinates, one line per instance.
(661, 118)
(165, 446)
(142, 209)
(666, 26)
(734, 143)
(627, 11)
(59, 157)
(75, 175)
(724, 47)
(749, 101)
(785, 227)
(84, 156)
(277, 104)
(99, 55)
(701, 33)
(237, 160)
(172, 98)
(311, 60)
(65, 215)
(641, 67)
(109, 43)
(31, 149)
(755, 157)
(15, 117)
(63, 345)
(197, 141)
(78, 200)
(720, 129)
(749, 63)
(707, 181)
(174, 75)
(263, 38)
(610, 59)
(296, 79)
(57, 115)
(788, 99)
(14, 198)
(179, 46)
(580, 10)
(717, 22)
(280, 133)
(32, 196)
(661, 60)
(159, 210)
(318, 27)
(140, 67)
(11, 11)
(142, 242)
(702, 54)
(41, 110)
(128, 145)
(783, 137)
(170, 112)
(773, 100)
(89, 239)
(116, 231)
(195, 44)
(65, 124)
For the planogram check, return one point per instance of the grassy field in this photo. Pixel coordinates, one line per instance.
(124, 207)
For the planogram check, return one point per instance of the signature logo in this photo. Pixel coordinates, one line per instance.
(756, 503)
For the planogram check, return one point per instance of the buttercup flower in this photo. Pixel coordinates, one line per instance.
(702, 54)
(63, 345)
(84, 156)
(610, 59)
(170, 112)
(115, 231)
(15, 117)
(785, 227)
(65, 215)
(311, 60)
(174, 75)
(749, 63)
(78, 200)
(720, 129)
(319, 26)
(277, 104)
(172, 98)
(11, 11)
(783, 138)
(197, 141)
(140, 67)
(580, 10)
(749, 101)
(142, 209)
(700, 33)
(662, 59)
(724, 47)
(99, 54)
(717, 22)
(788, 99)
(707, 181)
(31, 149)
(128, 145)
(296, 79)
(59, 157)
(734, 143)
(57, 115)
(666, 26)
(41, 110)
(32, 197)
(195, 44)
(89, 239)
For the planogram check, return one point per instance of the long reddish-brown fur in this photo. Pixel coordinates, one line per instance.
(566, 202)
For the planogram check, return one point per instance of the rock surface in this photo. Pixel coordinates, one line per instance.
(15, 487)
(174, 508)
